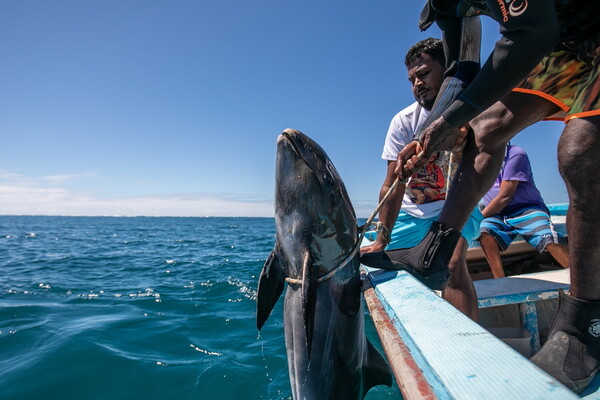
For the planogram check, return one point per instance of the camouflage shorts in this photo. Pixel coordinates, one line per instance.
(573, 85)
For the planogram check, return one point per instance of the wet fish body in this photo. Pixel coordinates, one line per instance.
(316, 252)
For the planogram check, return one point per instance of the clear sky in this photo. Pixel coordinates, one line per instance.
(156, 107)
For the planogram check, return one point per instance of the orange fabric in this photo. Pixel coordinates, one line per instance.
(582, 115)
(546, 96)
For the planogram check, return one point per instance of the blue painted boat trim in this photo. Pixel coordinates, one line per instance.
(459, 358)
(529, 321)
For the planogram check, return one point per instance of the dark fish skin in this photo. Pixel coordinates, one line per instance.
(329, 356)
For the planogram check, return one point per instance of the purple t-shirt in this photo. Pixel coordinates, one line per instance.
(516, 167)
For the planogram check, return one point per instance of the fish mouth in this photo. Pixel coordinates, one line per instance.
(289, 135)
(293, 137)
(311, 154)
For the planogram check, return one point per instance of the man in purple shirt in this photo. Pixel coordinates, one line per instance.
(514, 206)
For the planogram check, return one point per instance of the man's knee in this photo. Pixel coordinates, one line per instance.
(579, 151)
(485, 238)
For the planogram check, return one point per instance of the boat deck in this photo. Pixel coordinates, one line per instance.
(436, 352)
(525, 292)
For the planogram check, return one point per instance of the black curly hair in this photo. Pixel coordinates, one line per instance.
(433, 47)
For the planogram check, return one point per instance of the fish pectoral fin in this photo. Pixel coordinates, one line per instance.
(270, 287)
(378, 371)
(309, 298)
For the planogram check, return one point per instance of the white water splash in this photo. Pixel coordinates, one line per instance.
(210, 353)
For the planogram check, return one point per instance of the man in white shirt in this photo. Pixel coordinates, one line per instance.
(403, 222)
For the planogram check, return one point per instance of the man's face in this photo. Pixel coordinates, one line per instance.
(426, 76)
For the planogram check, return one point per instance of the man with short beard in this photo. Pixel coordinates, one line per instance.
(425, 63)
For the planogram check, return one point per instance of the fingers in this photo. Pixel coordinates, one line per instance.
(404, 155)
(411, 164)
(408, 159)
(366, 249)
(406, 168)
(414, 163)
(372, 248)
(462, 136)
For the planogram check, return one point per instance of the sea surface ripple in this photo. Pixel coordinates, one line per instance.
(152, 308)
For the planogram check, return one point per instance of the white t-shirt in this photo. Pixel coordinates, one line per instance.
(403, 128)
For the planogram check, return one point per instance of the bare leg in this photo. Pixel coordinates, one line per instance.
(572, 352)
(460, 291)
(492, 254)
(431, 193)
(560, 253)
(419, 196)
(482, 160)
(579, 163)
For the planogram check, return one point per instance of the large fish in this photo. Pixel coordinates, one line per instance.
(316, 252)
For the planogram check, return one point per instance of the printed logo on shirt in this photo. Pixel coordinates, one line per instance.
(430, 183)
(515, 8)
(594, 328)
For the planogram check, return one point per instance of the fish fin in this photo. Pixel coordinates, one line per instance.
(270, 287)
(377, 371)
(309, 298)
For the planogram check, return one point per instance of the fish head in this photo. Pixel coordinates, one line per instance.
(312, 208)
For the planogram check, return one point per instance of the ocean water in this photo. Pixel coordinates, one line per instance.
(152, 308)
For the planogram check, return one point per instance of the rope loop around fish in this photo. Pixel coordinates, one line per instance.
(329, 274)
(362, 231)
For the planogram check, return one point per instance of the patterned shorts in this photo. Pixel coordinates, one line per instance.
(573, 85)
(533, 224)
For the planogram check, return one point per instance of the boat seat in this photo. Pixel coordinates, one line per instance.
(524, 291)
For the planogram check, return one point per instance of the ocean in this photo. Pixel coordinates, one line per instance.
(145, 307)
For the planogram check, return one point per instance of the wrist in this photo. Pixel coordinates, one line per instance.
(383, 233)
(460, 112)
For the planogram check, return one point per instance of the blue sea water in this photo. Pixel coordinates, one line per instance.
(152, 308)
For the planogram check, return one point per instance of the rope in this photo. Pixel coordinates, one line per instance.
(383, 200)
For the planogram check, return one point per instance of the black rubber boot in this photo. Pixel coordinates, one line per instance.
(427, 261)
(572, 352)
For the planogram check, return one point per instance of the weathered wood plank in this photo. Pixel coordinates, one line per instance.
(409, 376)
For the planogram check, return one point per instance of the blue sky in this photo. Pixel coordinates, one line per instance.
(147, 107)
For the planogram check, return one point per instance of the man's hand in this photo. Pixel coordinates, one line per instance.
(436, 137)
(409, 159)
(372, 248)
(459, 146)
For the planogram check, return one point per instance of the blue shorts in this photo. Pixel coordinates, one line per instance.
(408, 231)
(533, 224)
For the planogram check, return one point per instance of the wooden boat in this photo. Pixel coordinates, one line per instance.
(436, 352)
